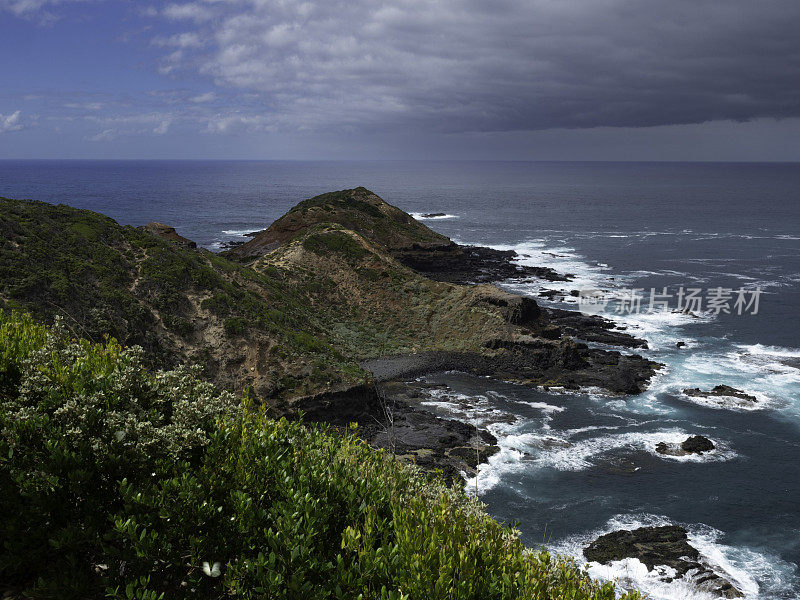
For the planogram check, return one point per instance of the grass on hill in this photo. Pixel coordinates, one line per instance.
(358, 210)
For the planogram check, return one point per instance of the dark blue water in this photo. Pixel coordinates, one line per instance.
(574, 465)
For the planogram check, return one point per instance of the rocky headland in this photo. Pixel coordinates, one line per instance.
(318, 314)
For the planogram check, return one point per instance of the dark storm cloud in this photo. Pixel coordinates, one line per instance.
(466, 65)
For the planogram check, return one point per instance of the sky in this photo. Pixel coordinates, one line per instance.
(401, 79)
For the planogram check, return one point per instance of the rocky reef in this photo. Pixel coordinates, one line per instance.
(666, 547)
(696, 444)
(720, 391)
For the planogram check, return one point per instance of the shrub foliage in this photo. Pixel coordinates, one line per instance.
(116, 482)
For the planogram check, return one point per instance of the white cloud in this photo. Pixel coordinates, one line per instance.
(180, 40)
(206, 97)
(11, 122)
(107, 135)
(162, 127)
(93, 106)
(37, 10)
(191, 11)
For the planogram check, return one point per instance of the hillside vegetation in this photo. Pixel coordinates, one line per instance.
(245, 327)
(292, 323)
(120, 482)
(357, 210)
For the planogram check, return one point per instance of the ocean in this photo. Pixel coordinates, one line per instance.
(575, 465)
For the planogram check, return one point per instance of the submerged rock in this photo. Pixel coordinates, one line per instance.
(666, 546)
(432, 215)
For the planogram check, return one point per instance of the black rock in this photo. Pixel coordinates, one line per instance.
(592, 328)
(697, 444)
(432, 215)
(455, 263)
(667, 545)
(720, 390)
(680, 345)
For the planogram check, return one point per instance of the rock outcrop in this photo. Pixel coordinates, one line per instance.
(696, 444)
(666, 546)
(168, 233)
(403, 237)
(720, 391)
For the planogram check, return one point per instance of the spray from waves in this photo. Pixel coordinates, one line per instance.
(770, 374)
(432, 216)
(757, 575)
(239, 232)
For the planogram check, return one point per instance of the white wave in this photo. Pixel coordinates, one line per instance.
(564, 260)
(548, 449)
(238, 232)
(762, 350)
(769, 373)
(756, 575)
(580, 455)
(438, 217)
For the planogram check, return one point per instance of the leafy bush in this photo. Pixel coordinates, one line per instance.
(77, 419)
(118, 483)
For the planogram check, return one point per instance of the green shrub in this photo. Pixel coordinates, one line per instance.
(327, 242)
(235, 325)
(80, 419)
(117, 483)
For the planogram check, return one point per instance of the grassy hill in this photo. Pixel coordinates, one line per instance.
(357, 210)
(124, 473)
(245, 327)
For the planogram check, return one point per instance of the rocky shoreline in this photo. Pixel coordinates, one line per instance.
(550, 348)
